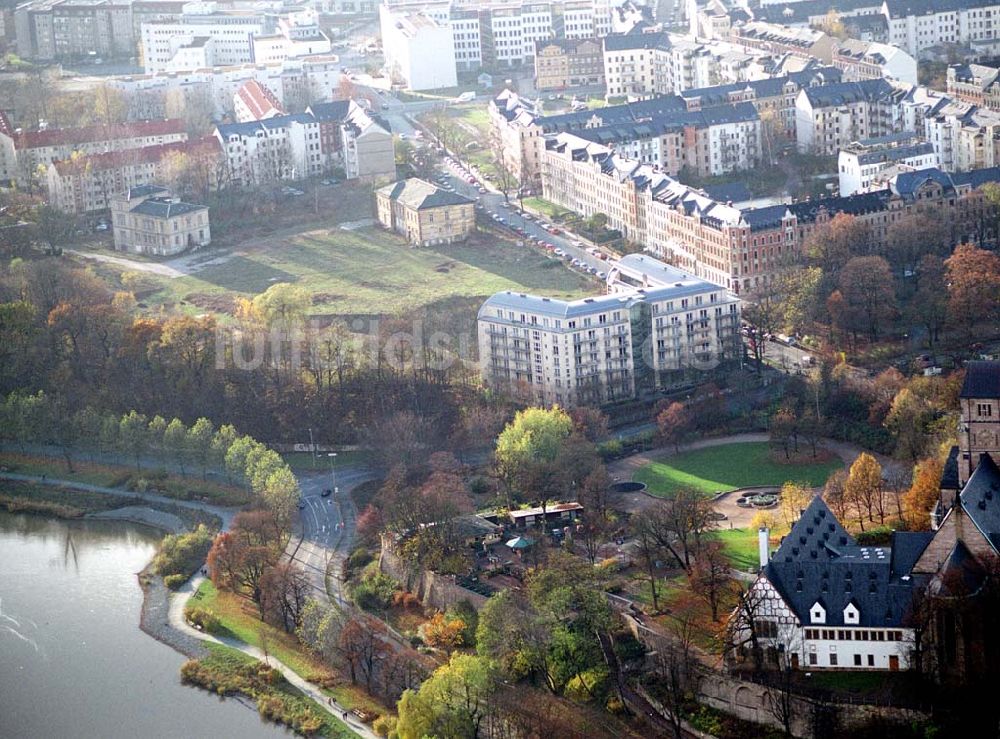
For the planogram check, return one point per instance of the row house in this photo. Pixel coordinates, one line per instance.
(862, 162)
(86, 184)
(743, 249)
(292, 147)
(918, 25)
(776, 38)
(657, 327)
(832, 116)
(976, 84)
(965, 137)
(23, 152)
(860, 60)
(562, 64)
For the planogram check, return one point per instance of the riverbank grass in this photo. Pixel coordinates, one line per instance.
(238, 620)
(228, 671)
(49, 500)
(730, 466)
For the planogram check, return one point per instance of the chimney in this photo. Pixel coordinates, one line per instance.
(763, 541)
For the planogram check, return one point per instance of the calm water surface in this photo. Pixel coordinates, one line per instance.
(73, 662)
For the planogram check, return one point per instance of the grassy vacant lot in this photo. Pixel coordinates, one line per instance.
(239, 621)
(553, 211)
(728, 467)
(362, 273)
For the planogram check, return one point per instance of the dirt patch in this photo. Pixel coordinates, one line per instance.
(803, 456)
(214, 303)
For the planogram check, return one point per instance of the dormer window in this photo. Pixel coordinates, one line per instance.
(851, 614)
(817, 614)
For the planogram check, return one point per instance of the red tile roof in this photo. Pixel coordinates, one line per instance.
(57, 136)
(144, 155)
(261, 101)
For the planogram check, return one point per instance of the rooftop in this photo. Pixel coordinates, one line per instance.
(420, 195)
(982, 380)
(85, 134)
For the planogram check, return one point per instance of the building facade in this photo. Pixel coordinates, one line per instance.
(830, 117)
(607, 348)
(918, 25)
(147, 220)
(861, 163)
(68, 29)
(423, 213)
(407, 38)
(568, 63)
(860, 60)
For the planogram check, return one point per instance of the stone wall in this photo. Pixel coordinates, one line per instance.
(433, 589)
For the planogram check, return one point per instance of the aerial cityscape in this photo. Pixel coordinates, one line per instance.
(489, 369)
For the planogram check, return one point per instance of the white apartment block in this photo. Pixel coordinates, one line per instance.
(608, 348)
(419, 49)
(868, 61)
(830, 117)
(861, 163)
(205, 36)
(292, 147)
(917, 25)
(644, 63)
(292, 81)
(481, 34)
(22, 152)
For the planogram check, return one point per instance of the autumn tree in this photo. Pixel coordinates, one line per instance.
(782, 430)
(443, 632)
(913, 237)
(833, 244)
(928, 306)
(835, 495)
(973, 279)
(923, 493)
(863, 488)
(795, 498)
(535, 435)
(869, 297)
(284, 590)
(455, 701)
(362, 644)
(674, 424)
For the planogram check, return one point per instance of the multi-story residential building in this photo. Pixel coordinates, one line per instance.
(813, 13)
(562, 64)
(294, 82)
(862, 60)
(975, 83)
(21, 152)
(667, 131)
(917, 25)
(965, 137)
(254, 102)
(480, 34)
(779, 39)
(63, 29)
(147, 220)
(861, 163)
(423, 213)
(300, 145)
(89, 183)
(741, 249)
(710, 142)
(407, 39)
(612, 347)
(830, 117)
(773, 97)
(636, 64)
(236, 37)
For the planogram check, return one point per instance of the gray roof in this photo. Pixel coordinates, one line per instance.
(335, 110)
(981, 499)
(419, 194)
(982, 380)
(141, 191)
(903, 8)
(818, 561)
(554, 307)
(636, 40)
(802, 11)
(896, 153)
(765, 88)
(165, 208)
(842, 93)
(667, 122)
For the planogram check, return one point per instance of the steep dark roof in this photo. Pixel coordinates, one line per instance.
(820, 562)
(802, 11)
(335, 110)
(857, 204)
(842, 93)
(906, 184)
(765, 88)
(949, 476)
(636, 40)
(982, 380)
(981, 498)
(907, 546)
(959, 576)
(666, 122)
(765, 218)
(736, 192)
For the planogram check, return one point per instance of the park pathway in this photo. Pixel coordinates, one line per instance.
(179, 599)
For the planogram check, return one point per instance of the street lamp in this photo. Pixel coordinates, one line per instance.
(333, 471)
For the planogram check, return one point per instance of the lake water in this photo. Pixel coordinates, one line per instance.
(73, 661)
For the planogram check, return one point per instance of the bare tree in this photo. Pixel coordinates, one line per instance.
(675, 664)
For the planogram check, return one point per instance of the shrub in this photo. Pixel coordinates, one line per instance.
(464, 611)
(359, 558)
(203, 618)
(175, 581)
(707, 720)
(374, 592)
(410, 600)
(479, 486)
(588, 685)
(877, 537)
(182, 554)
(384, 725)
(610, 449)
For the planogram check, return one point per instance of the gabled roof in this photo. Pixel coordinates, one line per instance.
(960, 576)
(981, 499)
(637, 39)
(60, 136)
(335, 110)
(165, 208)
(260, 101)
(843, 93)
(420, 195)
(765, 88)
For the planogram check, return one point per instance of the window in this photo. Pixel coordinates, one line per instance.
(871, 660)
(857, 660)
(812, 658)
(984, 410)
(833, 659)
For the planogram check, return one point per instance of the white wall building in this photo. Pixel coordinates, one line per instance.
(917, 25)
(860, 163)
(419, 50)
(611, 347)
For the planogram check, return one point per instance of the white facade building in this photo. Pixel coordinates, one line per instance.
(917, 25)
(610, 347)
(419, 49)
(860, 163)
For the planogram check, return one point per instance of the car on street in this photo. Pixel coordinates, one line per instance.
(327, 493)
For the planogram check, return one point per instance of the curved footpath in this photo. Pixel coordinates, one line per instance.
(163, 612)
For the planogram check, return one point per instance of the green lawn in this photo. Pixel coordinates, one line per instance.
(728, 467)
(368, 272)
(545, 207)
(740, 547)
